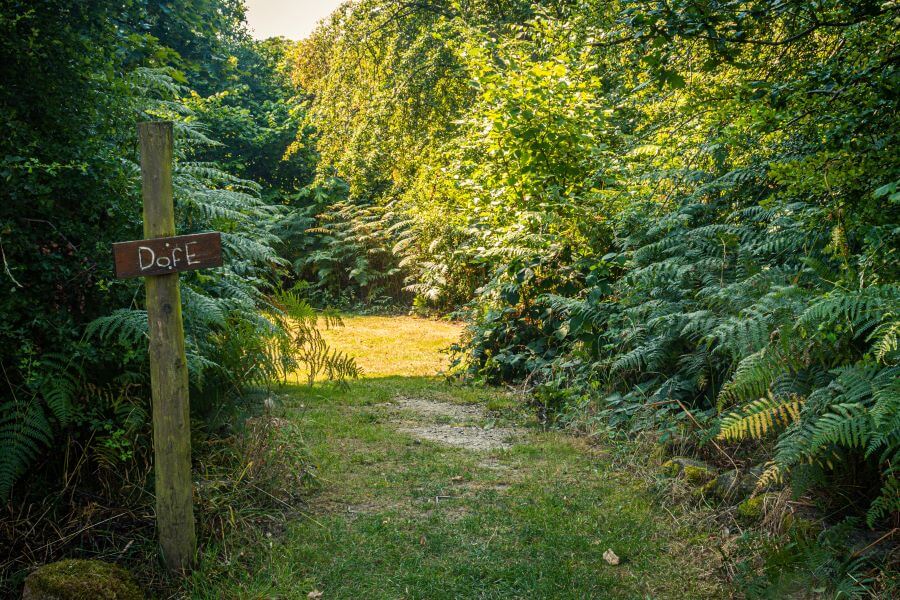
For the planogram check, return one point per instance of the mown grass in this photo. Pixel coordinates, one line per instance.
(395, 345)
(396, 517)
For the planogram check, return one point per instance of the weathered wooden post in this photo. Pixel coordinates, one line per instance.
(159, 258)
(168, 364)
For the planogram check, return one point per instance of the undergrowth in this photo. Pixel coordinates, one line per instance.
(252, 473)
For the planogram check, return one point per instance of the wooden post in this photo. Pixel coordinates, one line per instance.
(168, 364)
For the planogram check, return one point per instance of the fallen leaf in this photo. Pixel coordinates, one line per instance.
(610, 557)
(314, 594)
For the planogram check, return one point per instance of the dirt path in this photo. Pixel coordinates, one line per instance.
(453, 425)
(432, 490)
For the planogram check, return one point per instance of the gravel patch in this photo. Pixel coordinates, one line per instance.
(430, 408)
(463, 430)
(470, 437)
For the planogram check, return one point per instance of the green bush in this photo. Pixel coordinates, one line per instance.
(657, 208)
(73, 340)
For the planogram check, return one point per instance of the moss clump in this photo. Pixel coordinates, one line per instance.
(694, 472)
(698, 474)
(81, 580)
(753, 509)
(671, 468)
(708, 490)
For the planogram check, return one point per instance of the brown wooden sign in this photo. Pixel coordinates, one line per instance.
(161, 256)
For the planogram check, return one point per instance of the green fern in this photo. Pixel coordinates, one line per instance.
(24, 434)
(202, 310)
(37, 409)
(885, 338)
(305, 346)
(858, 409)
(57, 380)
(752, 377)
(127, 327)
(862, 310)
(887, 503)
(847, 425)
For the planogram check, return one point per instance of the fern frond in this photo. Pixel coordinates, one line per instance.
(860, 309)
(885, 338)
(760, 418)
(772, 475)
(24, 432)
(201, 309)
(888, 503)
(752, 378)
(126, 326)
(848, 425)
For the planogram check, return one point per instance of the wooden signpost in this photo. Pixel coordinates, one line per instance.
(159, 259)
(161, 256)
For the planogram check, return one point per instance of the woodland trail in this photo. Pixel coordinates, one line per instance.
(437, 490)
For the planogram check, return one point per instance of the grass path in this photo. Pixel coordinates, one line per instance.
(426, 493)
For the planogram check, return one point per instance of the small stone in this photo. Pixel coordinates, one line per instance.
(81, 580)
(610, 557)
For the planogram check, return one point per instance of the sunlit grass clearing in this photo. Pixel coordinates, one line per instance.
(395, 346)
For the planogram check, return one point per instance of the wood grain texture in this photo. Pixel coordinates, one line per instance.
(168, 364)
(161, 256)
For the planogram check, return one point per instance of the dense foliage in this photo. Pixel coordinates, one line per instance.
(658, 208)
(675, 216)
(77, 78)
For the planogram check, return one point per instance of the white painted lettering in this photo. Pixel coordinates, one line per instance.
(152, 259)
(188, 255)
(175, 259)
